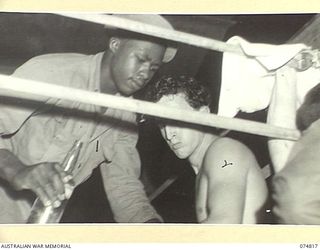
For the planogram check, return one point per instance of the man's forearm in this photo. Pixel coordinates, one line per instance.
(10, 165)
(46, 179)
(282, 113)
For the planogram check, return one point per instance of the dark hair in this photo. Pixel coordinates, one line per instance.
(196, 94)
(310, 109)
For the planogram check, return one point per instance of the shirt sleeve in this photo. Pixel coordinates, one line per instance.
(295, 188)
(15, 111)
(124, 190)
(295, 195)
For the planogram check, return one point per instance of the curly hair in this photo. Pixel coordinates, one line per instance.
(196, 94)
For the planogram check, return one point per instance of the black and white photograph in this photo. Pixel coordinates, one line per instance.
(159, 118)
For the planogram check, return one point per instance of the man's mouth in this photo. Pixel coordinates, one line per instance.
(176, 146)
(138, 83)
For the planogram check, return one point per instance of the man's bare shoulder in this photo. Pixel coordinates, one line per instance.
(226, 145)
(226, 153)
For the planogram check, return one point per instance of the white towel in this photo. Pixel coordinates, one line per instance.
(248, 79)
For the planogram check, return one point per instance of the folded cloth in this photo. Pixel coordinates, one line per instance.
(248, 78)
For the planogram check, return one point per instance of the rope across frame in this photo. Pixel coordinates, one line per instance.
(17, 87)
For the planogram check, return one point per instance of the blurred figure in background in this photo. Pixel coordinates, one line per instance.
(296, 186)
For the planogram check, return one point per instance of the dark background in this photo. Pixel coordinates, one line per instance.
(24, 35)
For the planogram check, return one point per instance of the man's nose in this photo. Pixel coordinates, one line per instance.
(145, 71)
(170, 133)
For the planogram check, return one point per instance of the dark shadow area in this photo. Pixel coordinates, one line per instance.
(88, 203)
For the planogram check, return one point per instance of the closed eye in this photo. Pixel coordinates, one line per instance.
(141, 59)
(154, 69)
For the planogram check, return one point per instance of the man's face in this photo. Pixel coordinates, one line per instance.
(182, 138)
(134, 63)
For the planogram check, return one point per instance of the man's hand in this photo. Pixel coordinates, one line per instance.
(48, 180)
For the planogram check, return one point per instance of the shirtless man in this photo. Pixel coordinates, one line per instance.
(230, 187)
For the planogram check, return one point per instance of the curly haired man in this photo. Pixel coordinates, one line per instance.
(230, 187)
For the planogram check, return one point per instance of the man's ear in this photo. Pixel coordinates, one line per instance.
(204, 109)
(114, 44)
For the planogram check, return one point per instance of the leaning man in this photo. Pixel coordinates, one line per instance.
(36, 137)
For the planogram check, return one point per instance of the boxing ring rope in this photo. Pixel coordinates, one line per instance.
(21, 88)
(147, 29)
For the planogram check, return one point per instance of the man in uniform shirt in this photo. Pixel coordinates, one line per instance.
(36, 137)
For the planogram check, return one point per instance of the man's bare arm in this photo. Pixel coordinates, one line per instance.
(282, 113)
(225, 169)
